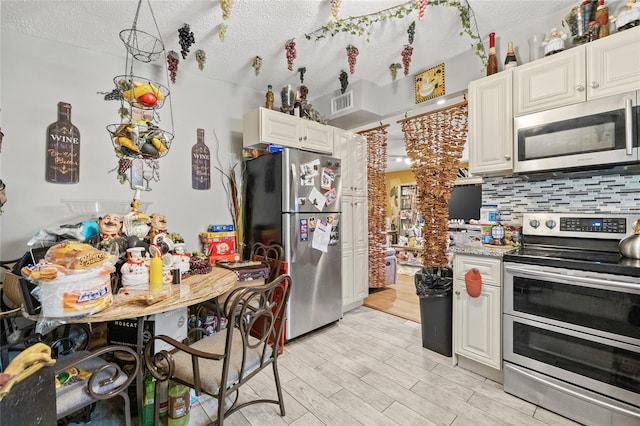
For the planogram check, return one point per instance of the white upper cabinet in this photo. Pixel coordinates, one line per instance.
(491, 125)
(264, 126)
(614, 64)
(351, 148)
(604, 67)
(551, 82)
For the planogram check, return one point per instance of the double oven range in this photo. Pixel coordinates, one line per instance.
(571, 318)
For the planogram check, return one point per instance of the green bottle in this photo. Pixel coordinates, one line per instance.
(179, 404)
(149, 392)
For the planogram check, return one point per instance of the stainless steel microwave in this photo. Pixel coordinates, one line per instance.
(600, 133)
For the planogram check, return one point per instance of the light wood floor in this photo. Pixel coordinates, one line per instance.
(398, 299)
(370, 369)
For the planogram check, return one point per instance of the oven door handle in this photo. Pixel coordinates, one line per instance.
(575, 394)
(574, 278)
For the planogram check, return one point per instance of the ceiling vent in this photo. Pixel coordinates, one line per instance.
(342, 103)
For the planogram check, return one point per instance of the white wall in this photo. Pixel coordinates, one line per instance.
(36, 74)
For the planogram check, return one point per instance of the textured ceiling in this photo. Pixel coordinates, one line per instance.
(262, 27)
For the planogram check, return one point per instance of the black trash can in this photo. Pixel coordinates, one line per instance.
(434, 286)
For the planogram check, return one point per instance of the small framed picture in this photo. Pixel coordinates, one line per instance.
(430, 83)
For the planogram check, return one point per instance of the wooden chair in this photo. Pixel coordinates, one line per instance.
(220, 364)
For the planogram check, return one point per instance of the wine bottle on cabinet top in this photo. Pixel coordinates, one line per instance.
(62, 164)
(510, 61)
(200, 163)
(297, 106)
(492, 63)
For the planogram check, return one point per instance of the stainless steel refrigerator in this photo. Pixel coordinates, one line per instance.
(293, 198)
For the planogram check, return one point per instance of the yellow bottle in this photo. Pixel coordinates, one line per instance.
(155, 275)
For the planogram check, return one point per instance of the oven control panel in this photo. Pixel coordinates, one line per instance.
(583, 225)
(603, 224)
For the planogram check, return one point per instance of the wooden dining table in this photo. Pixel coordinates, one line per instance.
(140, 304)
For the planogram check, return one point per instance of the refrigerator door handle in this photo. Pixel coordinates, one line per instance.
(290, 240)
(294, 184)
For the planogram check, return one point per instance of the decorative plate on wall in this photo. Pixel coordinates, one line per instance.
(430, 83)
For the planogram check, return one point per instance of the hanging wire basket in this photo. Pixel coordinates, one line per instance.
(135, 90)
(140, 140)
(143, 46)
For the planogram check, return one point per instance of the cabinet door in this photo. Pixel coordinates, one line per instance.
(316, 137)
(613, 64)
(491, 125)
(279, 128)
(358, 164)
(341, 140)
(360, 275)
(551, 82)
(477, 323)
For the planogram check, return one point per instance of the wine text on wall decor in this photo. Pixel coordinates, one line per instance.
(200, 163)
(62, 163)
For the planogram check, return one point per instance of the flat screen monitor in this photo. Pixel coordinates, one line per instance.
(465, 202)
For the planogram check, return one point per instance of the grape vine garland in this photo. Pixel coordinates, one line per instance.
(361, 25)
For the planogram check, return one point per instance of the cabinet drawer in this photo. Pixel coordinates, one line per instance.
(490, 268)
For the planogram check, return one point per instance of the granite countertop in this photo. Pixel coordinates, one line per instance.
(484, 250)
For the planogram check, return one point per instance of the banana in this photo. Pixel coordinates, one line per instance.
(127, 143)
(157, 143)
(128, 95)
(136, 83)
(33, 354)
(156, 91)
(141, 90)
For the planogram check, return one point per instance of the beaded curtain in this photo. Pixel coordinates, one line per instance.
(434, 143)
(376, 190)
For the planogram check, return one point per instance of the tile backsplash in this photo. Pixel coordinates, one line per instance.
(610, 192)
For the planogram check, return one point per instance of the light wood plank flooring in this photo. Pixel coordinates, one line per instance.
(370, 369)
(397, 299)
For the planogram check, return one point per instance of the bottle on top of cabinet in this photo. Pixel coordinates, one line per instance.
(510, 61)
(492, 63)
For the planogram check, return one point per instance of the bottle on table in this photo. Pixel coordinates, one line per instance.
(492, 63)
(63, 148)
(510, 61)
(155, 275)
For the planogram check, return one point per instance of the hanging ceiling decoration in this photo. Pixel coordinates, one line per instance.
(139, 136)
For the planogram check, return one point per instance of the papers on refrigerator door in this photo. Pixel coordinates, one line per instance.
(308, 171)
(317, 199)
(321, 236)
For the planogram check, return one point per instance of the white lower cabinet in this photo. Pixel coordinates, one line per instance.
(355, 258)
(477, 321)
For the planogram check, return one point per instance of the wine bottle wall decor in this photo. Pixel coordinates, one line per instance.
(200, 163)
(62, 164)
